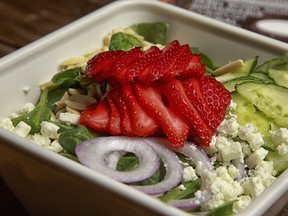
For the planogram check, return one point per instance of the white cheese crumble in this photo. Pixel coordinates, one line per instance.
(241, 203)
(69, 118)
(48, 129)
(260, 180)
(189, 174)
(22, 129)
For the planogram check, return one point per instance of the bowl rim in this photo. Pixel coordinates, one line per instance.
(83, 173)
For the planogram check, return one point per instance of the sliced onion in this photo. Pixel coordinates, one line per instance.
(113, 158)
(192, 203)
(174, 170)
(240, 166)
(197, 155)
(92, 153)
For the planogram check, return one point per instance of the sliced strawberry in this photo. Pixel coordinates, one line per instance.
(174, 126)
(125, 120)
(114, 125)
(139, 65)
(142, 123)
(194, 67)
(215, 94)
(176, 92)
(98, 118)
(119, 68)
(99, 66)
(155, 71)
(194, 92)
(85, 115)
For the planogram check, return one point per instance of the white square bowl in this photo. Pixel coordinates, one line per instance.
(49, 184)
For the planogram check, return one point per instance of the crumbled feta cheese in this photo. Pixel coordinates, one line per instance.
(22, 129)
(26, 108)
(182, 187)
(229, 127)
(69, 118)
(212, 148)
(39, 139)
(56, 145)
(256, 157)
(222, 186)
(228, 149)
(282, 148)
(49, 130)
(279, 136)
(250, 134)
(6, 124)
(241, 203)
(189, 174)
(260, 180)
(233, 171)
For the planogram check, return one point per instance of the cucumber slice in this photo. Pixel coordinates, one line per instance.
(261, 75)
(247, 113)
(230, 85)
(280, 63)
(268, 98)
(280, 162)
(280, 77)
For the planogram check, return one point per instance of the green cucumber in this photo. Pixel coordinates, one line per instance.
(268, 98)
(247, 113)
(230, 85)
(280, 77)
(280, 162)
(243, 71)
(261, 75)
(280, 63)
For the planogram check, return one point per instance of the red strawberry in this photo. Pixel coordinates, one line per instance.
(155, 71)
(195, 67)
(176, 92)
(194, 92)
(215, 94)
(96, 117)
(114, 125)
(142, 123)
(99, 66)
(174, 126)
(119, 69)
(139, 65)
(125, 118)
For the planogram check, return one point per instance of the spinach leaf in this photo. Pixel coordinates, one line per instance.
(67, 78)
(69, 139)
(153, 32)
(127, 162)
(122, 41)
(40, 113)
(224, 210)
(176, 193)
(54, 96)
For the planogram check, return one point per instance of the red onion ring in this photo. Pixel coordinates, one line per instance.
(92, 153)
(197, 155)
(240, 166)
(174, 170)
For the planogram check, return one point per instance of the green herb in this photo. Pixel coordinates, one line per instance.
(67, 78)
(39, 114)
(122, 41)
(224, 210)
(153, 32)
(71, 138)
(176, 193)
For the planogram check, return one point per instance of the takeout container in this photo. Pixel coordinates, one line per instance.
(49, 184)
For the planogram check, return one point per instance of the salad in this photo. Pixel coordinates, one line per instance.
(159, 116)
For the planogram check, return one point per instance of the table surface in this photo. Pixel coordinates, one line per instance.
(23, 21)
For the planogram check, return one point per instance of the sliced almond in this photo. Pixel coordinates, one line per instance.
(75, 105)
(230, 67)
(86, 99)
